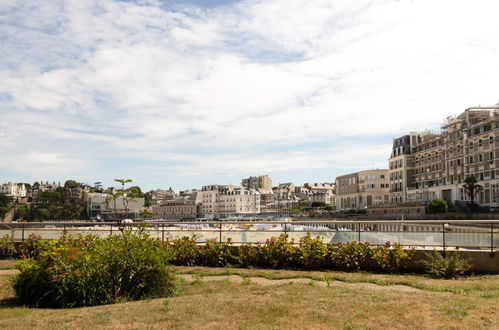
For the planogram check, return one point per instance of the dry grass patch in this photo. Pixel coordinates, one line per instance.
(486, 286)
(7, 264)
(219, 304)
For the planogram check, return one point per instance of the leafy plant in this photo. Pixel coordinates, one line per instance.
(391, 257)
(108, 270)
(184, 250)
(351, 256)
(7, 247)
(216, 254)
(436, 205)
(33, 246)
(277, 252)
(445, 266)
(312, 252)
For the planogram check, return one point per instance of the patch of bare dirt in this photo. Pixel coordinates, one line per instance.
(267, 282)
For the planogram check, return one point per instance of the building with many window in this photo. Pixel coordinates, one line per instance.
(177, 210)
(221, 201)
(362, 189)
(431, 165)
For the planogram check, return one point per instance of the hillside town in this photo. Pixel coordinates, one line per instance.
(422, 166)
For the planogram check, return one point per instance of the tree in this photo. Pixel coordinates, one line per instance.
(120, 196)
(471, 187)
(71, 184)
(437, 205)
(5, 200)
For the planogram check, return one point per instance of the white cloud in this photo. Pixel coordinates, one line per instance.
(227, 86)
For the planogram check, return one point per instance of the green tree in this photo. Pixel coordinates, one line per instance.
(5, 200)
(471, 187)
(436, 205)
(71, 184)
(318, 204)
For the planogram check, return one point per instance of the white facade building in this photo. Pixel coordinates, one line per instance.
(15, 190)
(220, 201)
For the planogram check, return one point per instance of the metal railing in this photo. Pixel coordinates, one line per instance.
(440, 234)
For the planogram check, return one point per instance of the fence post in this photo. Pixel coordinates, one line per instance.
(443, 238)
(162, 232)
(492, 240)
(111, 233)
(358, 227)
(220, 233)
(22, 233)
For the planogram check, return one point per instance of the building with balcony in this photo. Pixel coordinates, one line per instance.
(429, 165)
(362, 189)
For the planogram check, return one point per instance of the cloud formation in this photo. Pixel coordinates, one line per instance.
(182, 95)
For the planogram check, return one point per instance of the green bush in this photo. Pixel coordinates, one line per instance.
(351, 256)
(312, 252)
(7, 247)
(436, 205)
(216, 254)
(391, 257)
(448, 266)
(249, 255)
(33, 246)
(108, 270)
(184, 250)
(277, 252)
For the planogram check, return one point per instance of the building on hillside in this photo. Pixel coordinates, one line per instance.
(429, 165)
(321, 192)
(221, 201)
(177, 210)
(362, 189)
(38, 188)
(261, 183)
(100, 207)
(14, 190)
(160, 196)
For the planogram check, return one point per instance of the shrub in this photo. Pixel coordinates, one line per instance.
(249, 255)
(184, 250)
(277, 252)
(112, 269)
(312, 252)
(33, 246)
(7, 248)
(436, 205)
(352, 256)
(216, 254)
(448, 266)
(391, 257)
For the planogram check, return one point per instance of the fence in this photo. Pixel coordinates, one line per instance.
(440, 234)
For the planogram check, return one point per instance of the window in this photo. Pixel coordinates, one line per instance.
(382, 176)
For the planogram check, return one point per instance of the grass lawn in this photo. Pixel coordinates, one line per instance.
(318, 300)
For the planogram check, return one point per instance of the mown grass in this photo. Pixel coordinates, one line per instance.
(207, 304)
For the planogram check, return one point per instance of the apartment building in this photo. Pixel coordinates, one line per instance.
(177, 210)
(321, 192)
(221, 201)
(362, 189)
(159, 196)
(434, 164)
(262, 183)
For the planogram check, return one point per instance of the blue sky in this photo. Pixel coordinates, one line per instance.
(188, 93)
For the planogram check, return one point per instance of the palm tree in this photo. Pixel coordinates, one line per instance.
(471, 187)
(123, 181)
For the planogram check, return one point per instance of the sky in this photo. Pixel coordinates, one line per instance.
(185, 93)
